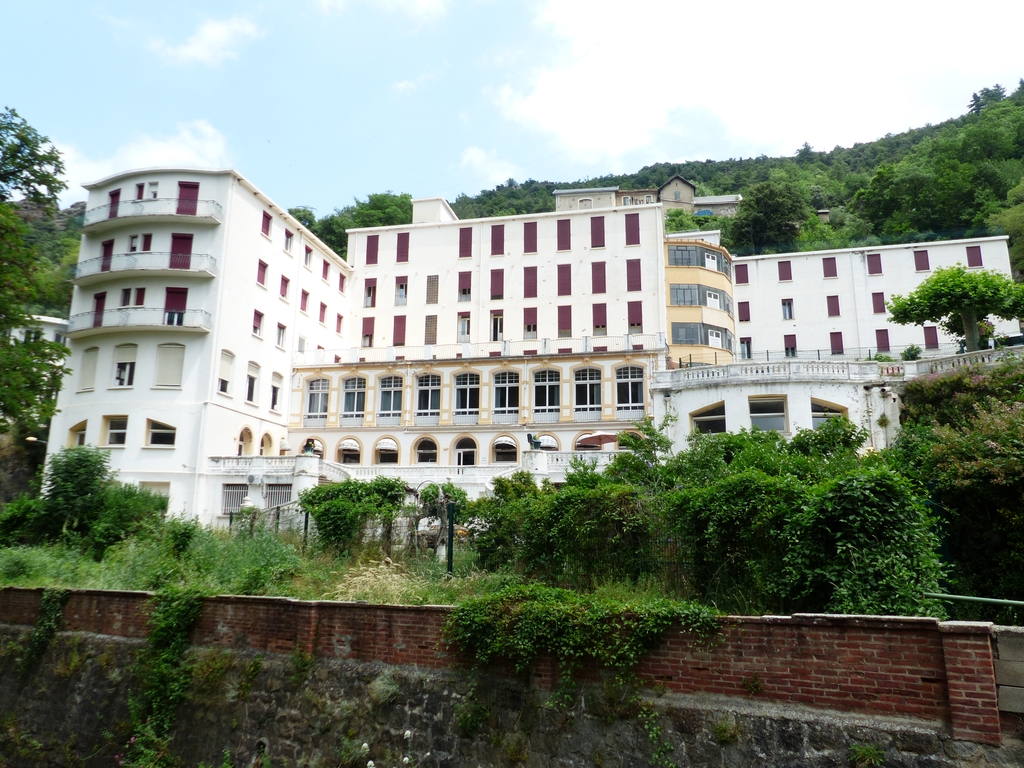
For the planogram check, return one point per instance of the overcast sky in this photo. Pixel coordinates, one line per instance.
(321, 101)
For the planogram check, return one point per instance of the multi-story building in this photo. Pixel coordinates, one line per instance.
(677, 192)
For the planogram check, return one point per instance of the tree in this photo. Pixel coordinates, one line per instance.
(985, 97)
(958, 300)
(28, 164)
(770, 214)
(382, 209)
(1012, 221)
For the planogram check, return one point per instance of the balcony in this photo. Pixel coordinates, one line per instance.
(155, 209)
(149, 263)
(505, 416)
(138, 319)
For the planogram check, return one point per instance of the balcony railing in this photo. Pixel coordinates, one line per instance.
(156, 206)
(151, 318)
(505, 416)
(202, 264)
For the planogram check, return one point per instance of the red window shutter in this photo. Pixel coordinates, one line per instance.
(99, 303)
(401, 279)
(635, 312)
(497, 239)
(497, 283)
(267, 218)
(740, 272)
(632, 274)
(368, 326)
(564, 235)
(372, 243)
(878, 302)
(600, 315)
(107, 256)
(257, 320)
(597, 232)
(931, 337)
(337, 323)
(789, 341)
(743, 308)
(115, 203)
(403, 247)
(304, 301)
(465, 242)
(874, 263)
(188, 197)
(147, 242)
(530, 316)
(399, 332)
(833, 305)
(632, 229)
(323, 312)
(597, 277)
(261, 273)
(530, 237)
(140, 297)
(465, 280)
(371, 282)
(564, 279)
(836, 340)
(565, 319)
(341, 283)
(284, 285)
(921, 261)
(140, 191)
(828, 266)
(176, 299)
(785, 270)
(326, 269)
(181, 251)
(529, 282)
(974, 256)
(882, 340)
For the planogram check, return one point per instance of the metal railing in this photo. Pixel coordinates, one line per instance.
(141, 317)
(149, 260)
(154, 206)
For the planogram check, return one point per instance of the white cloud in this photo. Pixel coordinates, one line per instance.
(412, 85)
(212, 43)
(196, 144)
(488, 167)
(419, 9)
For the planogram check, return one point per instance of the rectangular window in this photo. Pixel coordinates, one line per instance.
(463, 327)
(87, 376)
(281, 330)
(632, 229)
(304, 300)
(746, 348)
(257, 323)
(828, 266)
(140, 191)
(140, 297)
(878, 303)
(768, 414)
(251, 379)
(882, 339)
(633, 274)
(402, 254)
(432, 289)
(307, 258)
(787, 309)
(635, 315)
(789, 344)
(600, 319)
(117, 430)
(224, 381)
(497, 325)
(931, 337)
(497, 284)
(301, 344)
(597, 232)
(160, 434)
(564, 234)
(740, 272)
(497, 239)
(401, 290)
(465, 286)
(323, 312)
(147, 242)
(836, 342)
(261, 273)
(921, 261)
(126, 297)
(785, 271)
(529, 282)
(874, 263)
(564, 279)
(430, 330)
(338, 320)
(398, 332)
(170, 362)
(743, 310)
(325, 270)
(564, 322)
(267, 218)
(367, 332)
(341, 282)
(133, 244)
(372, 243)
(465, 242)
(277, 382)
(530, 237)
(833, 305)
(370, 292)
(288, 237)
(597, 277)
(530, 323)
(974, 256)
(124, 365)
(284, 287)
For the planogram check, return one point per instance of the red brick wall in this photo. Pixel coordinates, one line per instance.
(877, 665)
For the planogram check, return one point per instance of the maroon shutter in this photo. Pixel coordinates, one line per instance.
(115, 202)
(399, 332)
(973, 255)
(325, 270)
(597, 232)
(874, 263)
(140, 191)
(632, 274)
(323, 312)
(108, 255)
(635, 312)
(882, 340)
(403, 247)
(266, 223)
(632, 229)
(465, 281)
(530, 316)
(176, 299)
(828, 266)
(836, 340)
(341, 282)
(147, 242)
(565, 319)
(368, 326)
(564, 235)
(529, 282)
(369, 282)
(564, 279)
(188, 198)
(597, 281)
(740, 271)
(497, 283)
(372, 243)
(921, 261)
(878, 302)
(785, 270)
(743, 308)
(140, 297)
(789, 341)
(833, 305)
(99, 303)
(465, 242)
(261, 273)
(181, 251)
(497, 239)
(600, 315)
(530, 237)
(931, 337)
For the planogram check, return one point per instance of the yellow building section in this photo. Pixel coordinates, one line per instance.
(699, 303)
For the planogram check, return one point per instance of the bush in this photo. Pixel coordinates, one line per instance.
(341, 510)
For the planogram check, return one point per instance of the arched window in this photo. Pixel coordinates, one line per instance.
(629, 393)
(506, 398)
(505, 450)
(348, 451)
(318, 392)
(465, 453)
(267, 445)
(389, 410)
(76, 435)
(588, 394)
(354, 403)
(546, 395)
(245, 443)
(426, 451)
(386, 451)
(822, 412)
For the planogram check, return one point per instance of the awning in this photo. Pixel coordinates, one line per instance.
(506, 441)
(349, 445)
(597, 438)
(546, 442)
(387, 444)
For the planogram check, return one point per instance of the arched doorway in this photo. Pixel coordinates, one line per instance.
(465, 453)
(245, 442)
(266, 445)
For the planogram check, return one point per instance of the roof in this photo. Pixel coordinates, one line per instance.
(161, 169)
(577, 191)
(677, 176)
(712, 199)
(872, 248)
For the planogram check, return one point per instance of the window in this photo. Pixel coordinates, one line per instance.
(390, 399)
(836, 342)
(431, 289)
(281, 331)
(370, 292)
(768, 414)
(159, 433)
(633, 228)
(564, 279)
(833, 305)
(600, 319)
(690, 334)
(497, 284)
(564, 322)
(629, 391)
(323, 312)
(175, 302)
(325, 271)
(497, 239)
(284, 287)
(341, 282)
(251, 381)
(878, 303)
(785, 271)
(354, 400)
(301, 344)
(746, 348)
(465, 286)
(133, 244)
(742, 277)
(154, 188)
(170, 362)
(76, 435)
(497, 326)
(232, 496)
(822, 412)
(874, 263)
(743, 311)
(787, 309)
(288, 237)
(789, 344)
(588, 392)
(710, 420)
(428, 395)
(257, 323)
(338, 320)
(140, 191)
(307, 257)
(401, 291)
(506, 396)
(117, 430)
(546, 394)
(921, 261)
(931, 337)
(147, 242)
(367, 336)
(465, 453)
(635, 316)
(387, 452)
(529, 282)
(465, 242)
(597, 232)
(317, 394)
(430, 329)
(398, 331)
(463, 327)
(698, 256)
(261, 273)
(124, 365)
(265, 229)
(276, 383)
(126, 297)
(530, 323)
(564, 235)
(227, 360)
(467, 395)
(633, 275)
(828, 266)
(304, 300)
(882, 339)
(402, 248)
(597, 277)
(426, 451)
(505, 450)
(372, 243)
(974, 256)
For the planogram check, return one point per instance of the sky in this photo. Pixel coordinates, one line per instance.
(319, 102)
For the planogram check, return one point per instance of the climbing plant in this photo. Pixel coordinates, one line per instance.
(51, 609)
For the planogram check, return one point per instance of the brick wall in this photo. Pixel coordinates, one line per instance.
(877, 665)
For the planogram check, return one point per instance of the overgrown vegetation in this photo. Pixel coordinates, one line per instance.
(51, 607)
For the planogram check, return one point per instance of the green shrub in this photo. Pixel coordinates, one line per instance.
(341, 510)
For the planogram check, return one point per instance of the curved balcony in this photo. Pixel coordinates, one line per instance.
(138, 319)
(110, 215)
(149, 263)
